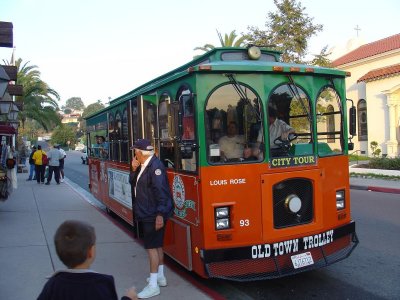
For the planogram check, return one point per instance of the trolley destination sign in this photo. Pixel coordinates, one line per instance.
(292, 161)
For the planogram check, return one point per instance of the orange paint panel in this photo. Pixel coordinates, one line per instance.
(177, 242)
(239, 188)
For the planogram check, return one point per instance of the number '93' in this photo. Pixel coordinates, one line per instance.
(245, 222)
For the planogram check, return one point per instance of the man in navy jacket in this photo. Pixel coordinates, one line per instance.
(152, 203)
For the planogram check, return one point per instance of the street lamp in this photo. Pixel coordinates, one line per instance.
(14, 124)
(13, 114)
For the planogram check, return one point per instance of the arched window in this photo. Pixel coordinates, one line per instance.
(289, 111)
(233, 125)
(329, 122)
(362, 120)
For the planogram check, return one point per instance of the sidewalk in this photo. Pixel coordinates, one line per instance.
(363, 182)
(28, 221)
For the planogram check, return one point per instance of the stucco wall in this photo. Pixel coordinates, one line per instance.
(373, 93)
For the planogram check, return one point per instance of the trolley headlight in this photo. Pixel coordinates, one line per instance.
(222, 218)
(340, 200)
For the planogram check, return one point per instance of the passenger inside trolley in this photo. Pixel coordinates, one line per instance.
(232, 144)
(101, 148)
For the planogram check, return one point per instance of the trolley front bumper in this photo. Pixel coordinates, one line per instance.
(282, 258)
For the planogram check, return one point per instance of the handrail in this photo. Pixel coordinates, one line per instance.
(356, 152)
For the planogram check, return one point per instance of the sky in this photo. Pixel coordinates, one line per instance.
(98, 49)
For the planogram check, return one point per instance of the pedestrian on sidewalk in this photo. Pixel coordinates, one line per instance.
(12, 159)
(39, 166)
(75, 243)
(31, 165)
(64, 155)
(54, 157)
(152, 202)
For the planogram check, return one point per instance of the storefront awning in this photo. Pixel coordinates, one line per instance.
(7, 129)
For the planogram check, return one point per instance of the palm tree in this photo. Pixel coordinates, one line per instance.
(39, 101)
(227, 41)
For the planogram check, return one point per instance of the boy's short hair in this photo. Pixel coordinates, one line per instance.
(73, 239)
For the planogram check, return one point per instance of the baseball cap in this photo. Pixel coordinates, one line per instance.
(142, 144)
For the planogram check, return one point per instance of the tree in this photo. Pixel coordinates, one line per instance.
(92, 108)
(89, 110)
(75, 103)
(39, 101)
(288, 30)
(62, 134)
(228, 41)
(322, 59)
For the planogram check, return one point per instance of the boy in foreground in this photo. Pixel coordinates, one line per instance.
(75, 246)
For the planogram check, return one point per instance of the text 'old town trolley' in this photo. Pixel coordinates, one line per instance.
(248, 205)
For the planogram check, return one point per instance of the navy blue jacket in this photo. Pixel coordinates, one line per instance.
(80, 286)
(153, 195)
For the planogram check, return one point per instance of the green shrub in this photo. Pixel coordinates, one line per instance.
(354, 157)
(385, 163)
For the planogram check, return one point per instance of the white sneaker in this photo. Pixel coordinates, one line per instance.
(61, 180)
(149, 291)
(161, 281)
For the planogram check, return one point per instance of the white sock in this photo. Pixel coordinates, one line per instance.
(153, 279)
(161, 271)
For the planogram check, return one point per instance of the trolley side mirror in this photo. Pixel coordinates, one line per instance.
(353, 120)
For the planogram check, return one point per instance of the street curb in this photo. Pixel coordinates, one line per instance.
(375, 189)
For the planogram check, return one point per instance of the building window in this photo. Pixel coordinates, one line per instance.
(362, 120)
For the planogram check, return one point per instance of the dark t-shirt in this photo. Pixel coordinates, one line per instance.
(79, 286)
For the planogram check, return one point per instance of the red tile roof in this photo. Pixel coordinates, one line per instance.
(381, 73)
(384, 45)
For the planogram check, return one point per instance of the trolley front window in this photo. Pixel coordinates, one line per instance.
(329, 123)
(233, 125)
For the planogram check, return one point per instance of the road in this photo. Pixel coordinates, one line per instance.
(75, 171)
(371, 272)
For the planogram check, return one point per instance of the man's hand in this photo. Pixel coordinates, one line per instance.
(159, 222)
(135, 164)
(284, 135)
(131, 293)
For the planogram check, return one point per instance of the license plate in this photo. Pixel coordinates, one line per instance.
(302, 260)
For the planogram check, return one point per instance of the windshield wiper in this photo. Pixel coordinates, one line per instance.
(296, 94)
(243, 95)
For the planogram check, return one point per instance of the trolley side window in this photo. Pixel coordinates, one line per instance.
(167, 141)
(234, 125)
(97, 133)
(329, 123)
(115, 137)
(149, 122)
(135, 119)
(124, 137)
(187, 154)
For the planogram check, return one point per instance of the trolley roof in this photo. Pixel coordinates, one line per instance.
(227, 59)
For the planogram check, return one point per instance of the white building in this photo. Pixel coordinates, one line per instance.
(374, 86)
